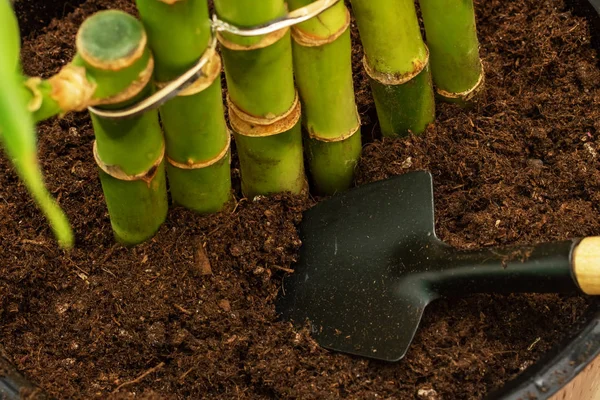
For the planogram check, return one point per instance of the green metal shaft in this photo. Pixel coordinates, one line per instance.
(260, 83)
(395, 50)
(194, 125)
(452, 40)
(137, 208)
(324, 77)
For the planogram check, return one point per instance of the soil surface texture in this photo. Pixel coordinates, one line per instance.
(191, 314)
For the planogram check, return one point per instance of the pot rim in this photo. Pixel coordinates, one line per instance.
(564, 362)
(556, 369)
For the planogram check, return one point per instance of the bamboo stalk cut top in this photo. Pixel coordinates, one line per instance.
(111, 40)
(112, 47)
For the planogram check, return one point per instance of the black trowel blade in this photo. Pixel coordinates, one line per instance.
(345, 284)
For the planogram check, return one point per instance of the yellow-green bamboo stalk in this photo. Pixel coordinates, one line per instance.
(452, 39)
(196, 133)
(397, 62)
(129, 152)
(323, 68)
(264, 110)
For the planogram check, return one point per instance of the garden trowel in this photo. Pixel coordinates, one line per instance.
(370, 263)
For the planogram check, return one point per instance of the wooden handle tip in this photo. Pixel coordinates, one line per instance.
(586, 265)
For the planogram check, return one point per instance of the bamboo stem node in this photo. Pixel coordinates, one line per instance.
(307, 40)
(250, 125)
(202, 164)
(396, 79)
(210, 72)
(266, 41)
(341, 138)
(116, 172)
(467, 94)
(132, 90)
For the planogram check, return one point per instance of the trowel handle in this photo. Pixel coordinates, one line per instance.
(569, 266)
(585, 264)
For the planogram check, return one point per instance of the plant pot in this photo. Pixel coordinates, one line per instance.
(571, 369)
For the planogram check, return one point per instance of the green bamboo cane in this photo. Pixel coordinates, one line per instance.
(129, 152)
(263, 107)
(452, 39)
(17, 127)
(323, 68)
(396, 60)
(112, 69)
(196, 133)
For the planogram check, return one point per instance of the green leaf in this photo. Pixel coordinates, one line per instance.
(17, 127)
(9, 35)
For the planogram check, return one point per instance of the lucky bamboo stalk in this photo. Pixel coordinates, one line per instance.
(112, 69)
(197, 138)
(323, 68)
(397, 62)
(452, 39)
(17, 126)
(129, 152)
(264, 110)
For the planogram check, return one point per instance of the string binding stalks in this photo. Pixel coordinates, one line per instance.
(451, 32)
(323, 68)
(196, 134)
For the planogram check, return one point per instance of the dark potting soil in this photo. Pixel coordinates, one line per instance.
(190, 314)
